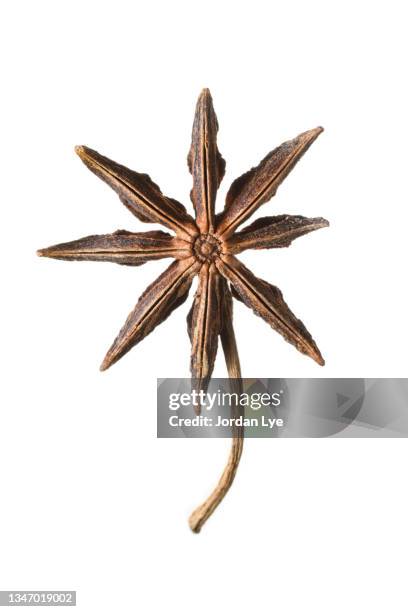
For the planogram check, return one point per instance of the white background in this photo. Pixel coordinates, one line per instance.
(90, 499)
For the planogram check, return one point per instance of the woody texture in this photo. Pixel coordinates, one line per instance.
(207, 247)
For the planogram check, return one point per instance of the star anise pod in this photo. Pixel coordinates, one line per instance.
(206, 247)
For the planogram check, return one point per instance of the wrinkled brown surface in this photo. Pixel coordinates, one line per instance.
(159, 300)
(122, 247)
(205, 163)
(267, 302)
(273, 232)
(139, 193)
(248, 192)
(204, 324)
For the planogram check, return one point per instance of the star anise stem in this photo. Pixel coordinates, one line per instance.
(229, 345)
(205, 510)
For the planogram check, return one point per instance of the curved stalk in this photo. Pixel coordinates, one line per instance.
(205, 510)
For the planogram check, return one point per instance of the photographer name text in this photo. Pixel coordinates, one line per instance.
(206, 421)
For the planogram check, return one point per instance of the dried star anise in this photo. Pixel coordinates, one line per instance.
(205, 247)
